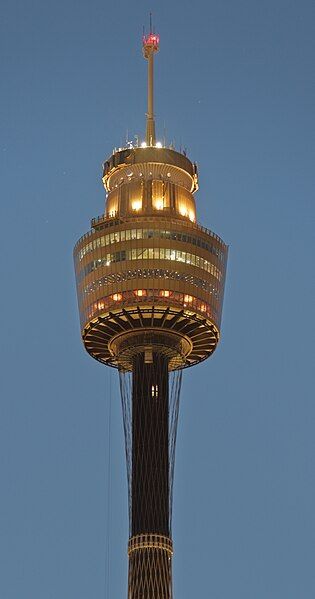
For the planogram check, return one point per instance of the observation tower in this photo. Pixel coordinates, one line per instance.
(150, 284)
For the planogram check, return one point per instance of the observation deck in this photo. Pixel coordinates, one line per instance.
(146, 267)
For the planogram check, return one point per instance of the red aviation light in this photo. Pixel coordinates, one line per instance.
(151, 41)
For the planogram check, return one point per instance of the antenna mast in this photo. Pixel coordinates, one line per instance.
(151, 44)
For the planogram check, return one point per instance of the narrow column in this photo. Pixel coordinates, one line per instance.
(150, 548)
(150, 47)
(150, 129)
(150, 461)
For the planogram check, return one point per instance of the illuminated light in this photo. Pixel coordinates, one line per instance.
(165, 293)
(107, 262)
(143, 144)
(136, 205)
(154, 391)
(117, 297)
(151, 40)
(140, 292)
(188, 299)
(191, 216)
(159, 204)
(168, 174)
(183, 210)
(100, 305)
(158, 144)
(203, 307)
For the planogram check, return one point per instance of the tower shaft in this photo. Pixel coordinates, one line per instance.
(150, 547)
(150, 462)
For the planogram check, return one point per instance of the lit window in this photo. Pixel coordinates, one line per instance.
(158, 144)
(155, 391)
(188, 299)
(140, 292)
(159, 204)
(136, 205)
(117, 297)
(165, 293)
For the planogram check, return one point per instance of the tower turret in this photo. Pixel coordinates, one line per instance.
(150, 284)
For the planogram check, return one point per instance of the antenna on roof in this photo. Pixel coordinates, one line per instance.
(150, 47)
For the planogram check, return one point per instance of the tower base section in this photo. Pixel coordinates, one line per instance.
(150, 567)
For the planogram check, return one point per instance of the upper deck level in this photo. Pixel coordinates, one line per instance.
(152, 161)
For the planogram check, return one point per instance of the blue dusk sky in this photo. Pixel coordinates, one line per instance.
(235, 85)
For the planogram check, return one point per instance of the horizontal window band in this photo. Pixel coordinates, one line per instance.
(140, 233)
(150, 254)
(159, 296)
(151, 273)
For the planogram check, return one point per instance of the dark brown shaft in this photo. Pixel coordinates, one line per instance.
(150, 460)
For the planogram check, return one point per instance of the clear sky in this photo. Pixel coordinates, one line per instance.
(235, 85)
